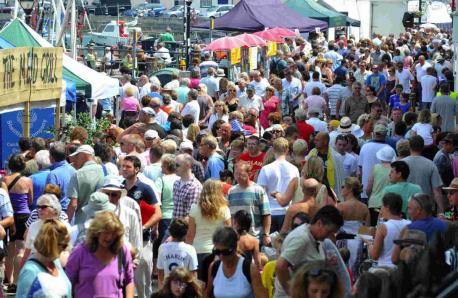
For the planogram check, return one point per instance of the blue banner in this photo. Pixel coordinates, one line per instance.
(41, 120)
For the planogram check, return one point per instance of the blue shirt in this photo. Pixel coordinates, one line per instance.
(429, 225)
(215, 164)
(394, 99)
(155, 94)
(60, 175)
(39, 182)
(376, 81)
(404, 107)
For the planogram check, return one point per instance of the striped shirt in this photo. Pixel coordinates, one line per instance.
(253, 200)
(334, 94)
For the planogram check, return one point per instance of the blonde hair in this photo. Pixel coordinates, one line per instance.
(52, 239)
(236, 115)
(169, 146)
(425, 116)
(105, 221)
(314, 168)
(225, 108)
(212, 201)
(193, 132)
(203, 89)
(280, 146)
(130, 91)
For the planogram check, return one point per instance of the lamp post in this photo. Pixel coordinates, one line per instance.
(27, 6)
(455, 43)
(188, 30)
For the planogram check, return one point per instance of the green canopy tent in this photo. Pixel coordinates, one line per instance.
(311, 9)
(88, 81)
(19, 36)
(350, 21)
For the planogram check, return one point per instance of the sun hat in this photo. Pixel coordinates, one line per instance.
(220, 72)
(412, 237)
(453, 185)
(186, 145)
(149, 111)
(98, 202)
(87, 149)
(112, 183)
(386, 154)
(314, 110)
(345, 125)
(380, 129)
(151, 134)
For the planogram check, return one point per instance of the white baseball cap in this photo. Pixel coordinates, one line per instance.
(187, 144)
(151, 134)
(83, 149)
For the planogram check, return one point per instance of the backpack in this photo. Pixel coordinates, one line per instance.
(245, 268)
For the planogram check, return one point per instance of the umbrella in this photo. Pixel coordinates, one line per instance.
(270, 36)
(252, 40)
(225, 44)
(428, 26)
(283, 32)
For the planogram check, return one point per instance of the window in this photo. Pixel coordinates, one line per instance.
(205, 3)
(109, 28)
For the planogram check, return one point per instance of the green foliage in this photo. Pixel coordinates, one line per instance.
(83, 120)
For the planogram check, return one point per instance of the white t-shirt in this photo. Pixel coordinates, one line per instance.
(161, 117)
(193, 108)
(254, 102)
(350, 164)
(205, 228)
(424, 130)
(176, 254)
(294, 87)
(404, 77)
(318, 125)
(276, 177)
(367, 160)
(32, 234)
(310, 85)
(260, 86)
(428, 84)
(421, 70)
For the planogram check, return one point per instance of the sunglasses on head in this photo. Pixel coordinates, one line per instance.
(224, 252)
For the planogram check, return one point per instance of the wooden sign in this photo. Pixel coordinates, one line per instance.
(30, 74)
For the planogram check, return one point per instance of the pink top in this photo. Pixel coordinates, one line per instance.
(315, 101)
(270, 106)
(194, 83)
(130, 104)
(91, 278)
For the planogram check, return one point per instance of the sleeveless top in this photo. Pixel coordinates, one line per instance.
(20, 203)
(381, 179)
(233, 107)
(235, 286)
(393, 229)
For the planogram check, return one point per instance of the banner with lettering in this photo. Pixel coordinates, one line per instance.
(33, 74)
(271, 48)
(236, 56)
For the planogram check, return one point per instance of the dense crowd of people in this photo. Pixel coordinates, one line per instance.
(328, 173)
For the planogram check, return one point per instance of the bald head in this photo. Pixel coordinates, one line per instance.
(310, 187)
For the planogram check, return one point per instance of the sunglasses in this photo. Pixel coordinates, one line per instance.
(224, 252)
(113, 194)
(43, 206)
(318, 272)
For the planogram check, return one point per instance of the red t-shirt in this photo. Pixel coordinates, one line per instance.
(305, 130)
(255, 162)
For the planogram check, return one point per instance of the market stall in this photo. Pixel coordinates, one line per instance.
(30, 95)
